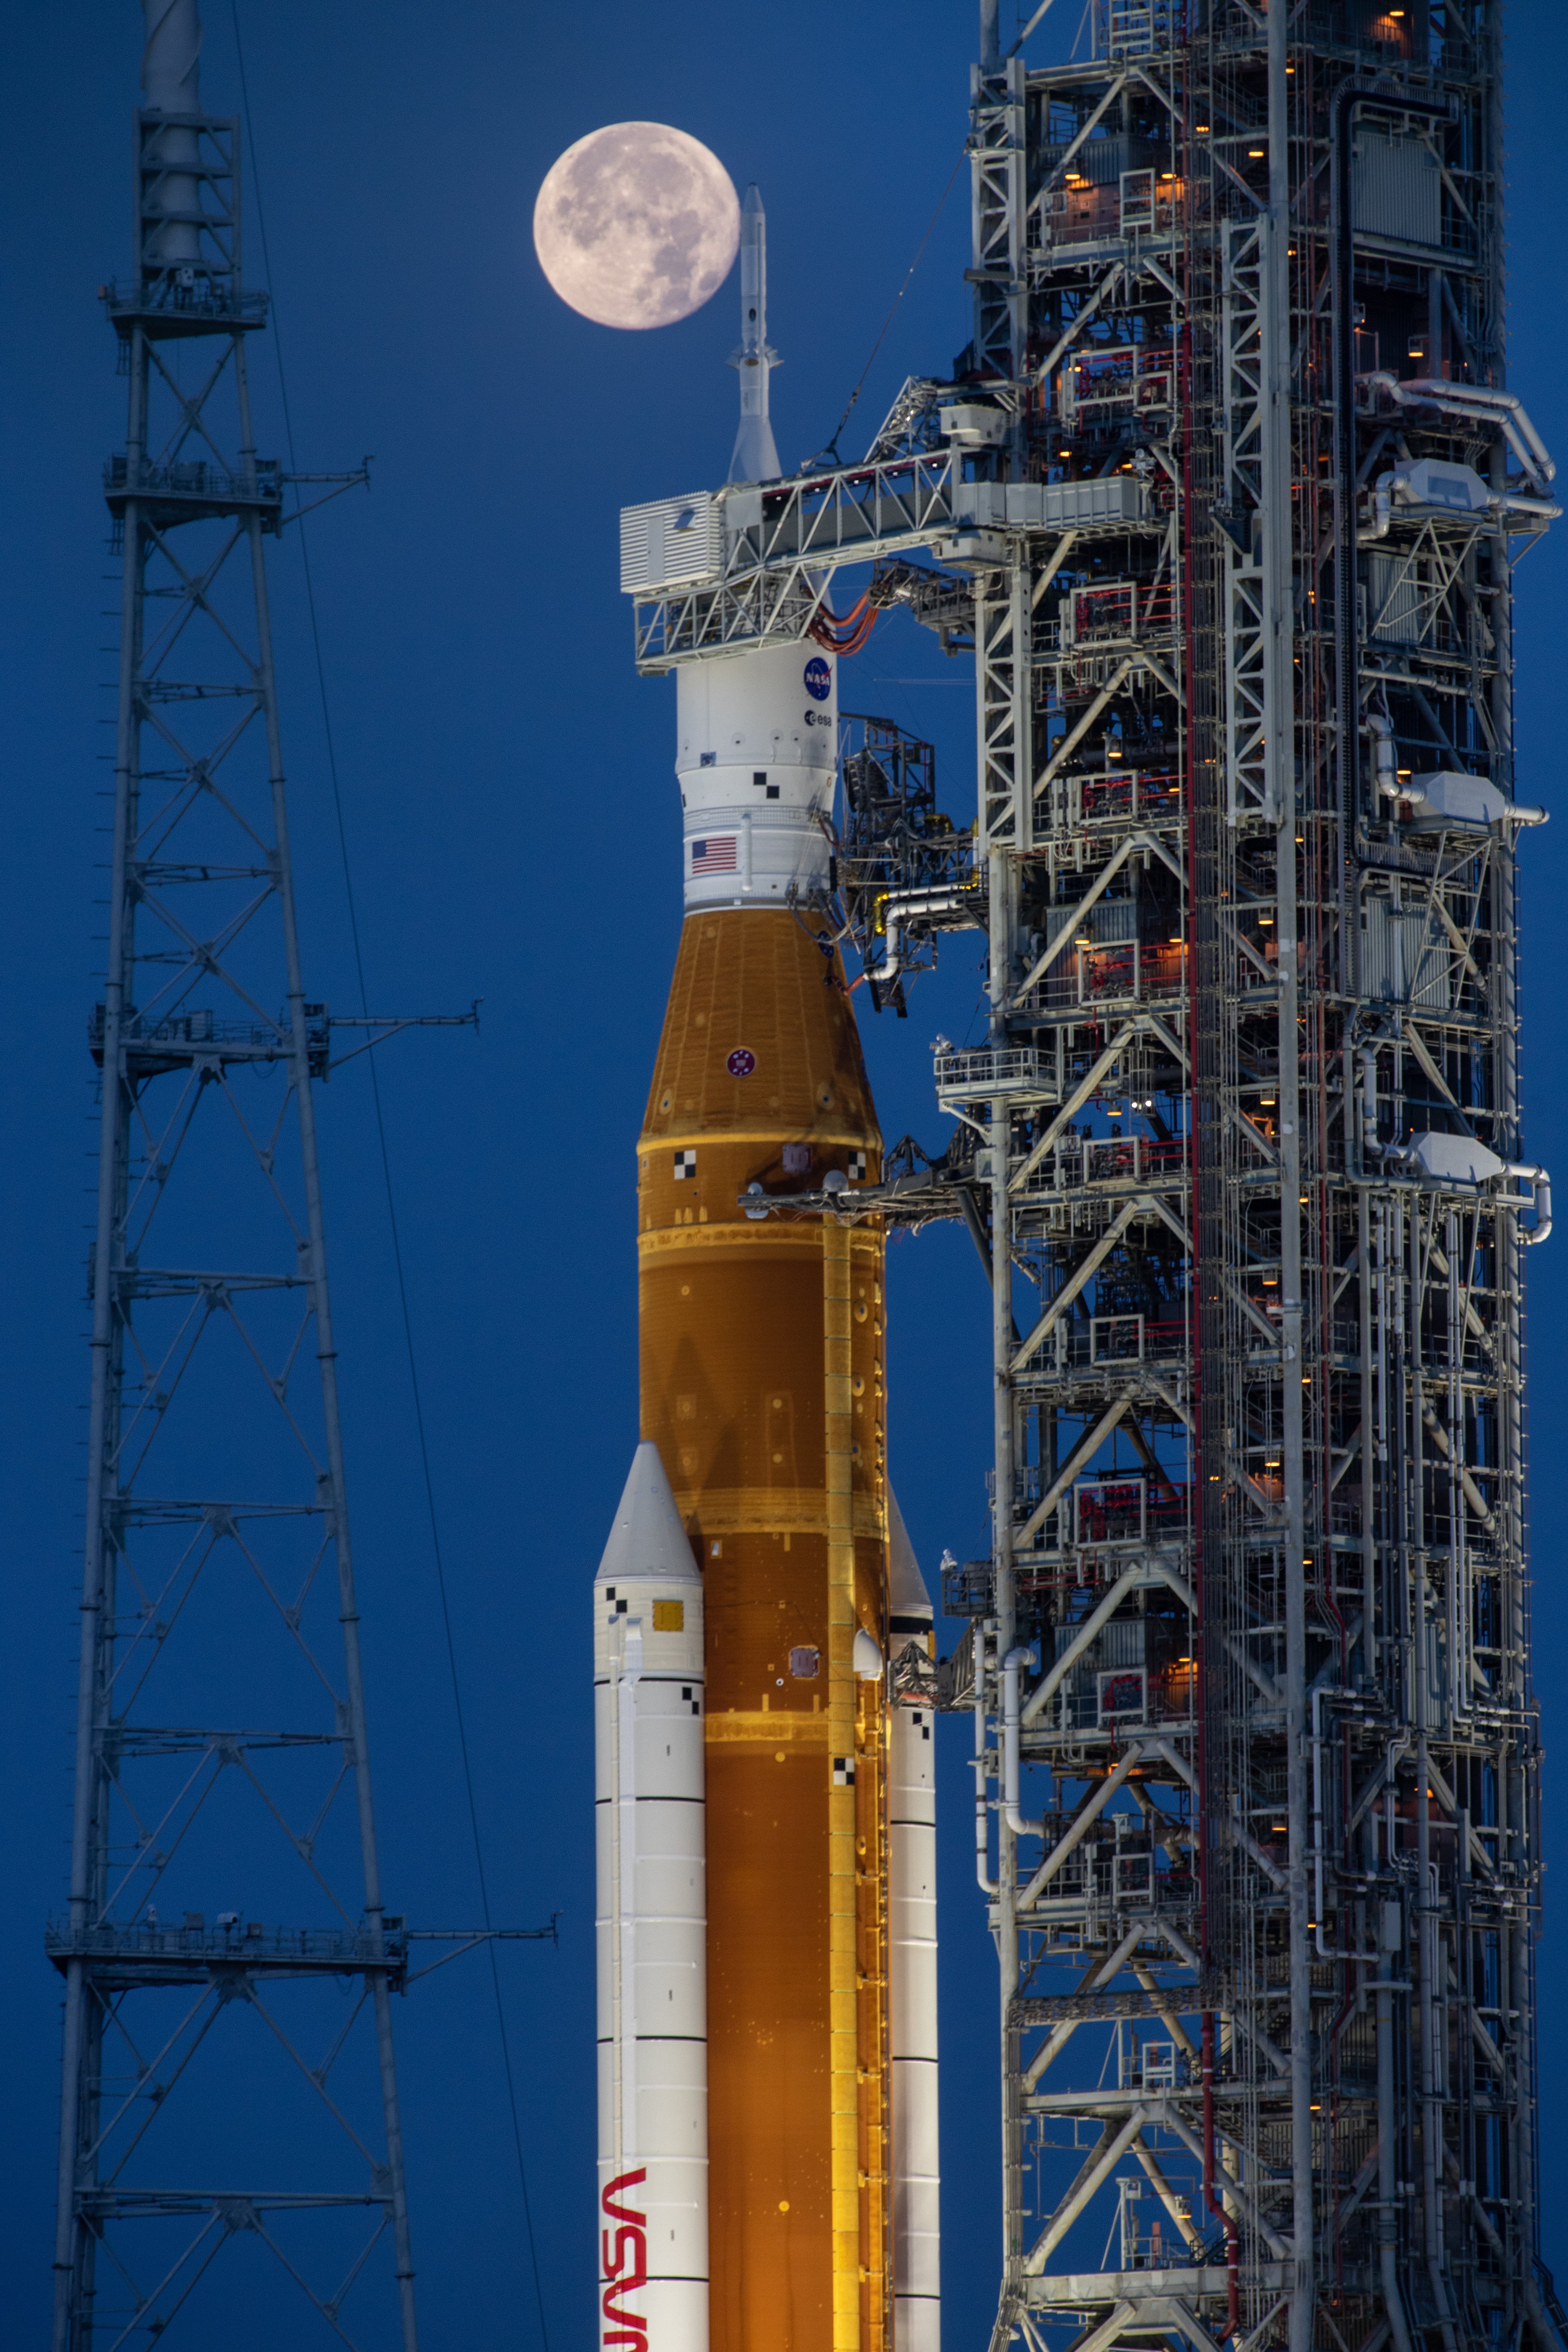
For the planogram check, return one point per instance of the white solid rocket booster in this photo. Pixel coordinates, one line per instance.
(651, 1926)
(911, 1962)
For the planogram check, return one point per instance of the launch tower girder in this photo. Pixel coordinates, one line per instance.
(1256, 1614)
(1228, 492)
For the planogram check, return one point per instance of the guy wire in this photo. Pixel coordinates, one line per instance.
(392, 1207)
(831, 447)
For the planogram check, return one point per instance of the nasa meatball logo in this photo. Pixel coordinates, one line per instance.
(818, 678)
(740, 1063)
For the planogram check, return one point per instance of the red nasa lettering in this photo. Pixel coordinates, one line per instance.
(624, 2253)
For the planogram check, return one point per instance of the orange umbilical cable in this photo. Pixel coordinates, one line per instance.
(845, 635)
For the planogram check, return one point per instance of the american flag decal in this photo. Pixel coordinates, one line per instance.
(712, 855)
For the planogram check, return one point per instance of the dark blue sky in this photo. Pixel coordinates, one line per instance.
(513, 828)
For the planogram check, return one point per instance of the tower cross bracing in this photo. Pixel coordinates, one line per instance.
(1226, 496)
(225, 2112)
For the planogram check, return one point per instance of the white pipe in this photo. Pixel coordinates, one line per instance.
(1515, 502)
(1497, 502)
(986, 1882)
(1516, 813)
(1325, 1951)
(1382, 507)
(1369, 1142)
(1012, 1665)
(1542, 1229)
(1391, 1939)
(1381, 731)
(1489, 400)
(1473, 400)
(900, 906)
(1543, 1225)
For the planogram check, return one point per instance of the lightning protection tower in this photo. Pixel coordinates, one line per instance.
(220, 2113)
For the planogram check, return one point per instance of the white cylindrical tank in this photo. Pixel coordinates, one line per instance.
(172, 82)
(911, 1958)
(651, 1926)
(758, 748)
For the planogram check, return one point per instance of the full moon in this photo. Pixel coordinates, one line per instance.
(636, 225)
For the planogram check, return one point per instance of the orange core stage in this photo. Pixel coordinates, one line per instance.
(763, 1387)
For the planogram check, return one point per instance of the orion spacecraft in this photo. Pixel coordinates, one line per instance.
(766, 1816)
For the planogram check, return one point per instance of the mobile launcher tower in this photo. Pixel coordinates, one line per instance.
(1225, 496)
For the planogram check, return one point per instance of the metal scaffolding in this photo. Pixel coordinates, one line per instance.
(219, 1579)
(1256, 1608)
(1226, 496)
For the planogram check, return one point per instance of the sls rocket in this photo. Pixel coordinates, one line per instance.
(766, 1828)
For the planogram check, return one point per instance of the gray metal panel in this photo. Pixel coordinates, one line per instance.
(1101, 161)
(671, 540)
(1052, 506)
(1405, 956)
(1400, 609)
(1396, 187)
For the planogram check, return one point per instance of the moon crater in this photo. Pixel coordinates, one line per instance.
(636, 225)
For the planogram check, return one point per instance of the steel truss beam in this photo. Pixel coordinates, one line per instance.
(1255, 1746)
(1258, 1485)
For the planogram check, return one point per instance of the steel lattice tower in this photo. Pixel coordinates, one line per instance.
(1252, 832)
(1226, 495)
(219, 1576)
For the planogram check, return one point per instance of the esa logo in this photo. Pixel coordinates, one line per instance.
(818, 678)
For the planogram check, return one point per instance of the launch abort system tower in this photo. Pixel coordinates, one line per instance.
(1225, 494)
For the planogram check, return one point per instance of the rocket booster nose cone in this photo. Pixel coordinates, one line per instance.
(647, 1539)
(907, 1593)
(753, 207)
(866, 1656)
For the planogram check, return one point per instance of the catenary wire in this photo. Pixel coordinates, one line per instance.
(392, 1208)
(831, 447)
